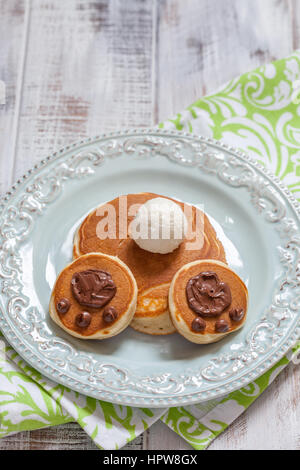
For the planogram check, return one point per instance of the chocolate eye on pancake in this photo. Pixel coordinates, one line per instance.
(207, 301)
(93, 288)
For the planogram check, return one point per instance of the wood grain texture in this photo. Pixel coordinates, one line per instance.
(87, 71)
(13, 30)
(203, 44)
(294, 8)
(65, 437)
(76, 68)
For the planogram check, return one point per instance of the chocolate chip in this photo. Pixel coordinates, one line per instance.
(198, 324)
(63, 305)
(236, 314)
(83, 319)
(109, 314)
(221, 326)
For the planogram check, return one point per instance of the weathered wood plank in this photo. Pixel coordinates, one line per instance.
(13, 32)
(88, 70)
(203, 44)
(65, 437)
(294, 7)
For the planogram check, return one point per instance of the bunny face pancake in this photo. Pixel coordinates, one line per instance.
(153, 271)
(94, 297)
(207, 301)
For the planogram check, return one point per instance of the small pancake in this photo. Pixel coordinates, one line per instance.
(102, 287)
(152, 312)
(219, 289)
(153, 271)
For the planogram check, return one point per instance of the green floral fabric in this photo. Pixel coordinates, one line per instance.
(29, 401)
(258, 112)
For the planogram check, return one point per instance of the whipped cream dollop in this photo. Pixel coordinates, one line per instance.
(159, 226)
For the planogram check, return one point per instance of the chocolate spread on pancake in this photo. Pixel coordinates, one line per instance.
(93, 288)
(207, 295)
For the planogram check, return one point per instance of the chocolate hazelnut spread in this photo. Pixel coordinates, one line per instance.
(93, 288)
(207, 295)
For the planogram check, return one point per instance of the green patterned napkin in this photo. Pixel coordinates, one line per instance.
(258, 112)
(30, 401)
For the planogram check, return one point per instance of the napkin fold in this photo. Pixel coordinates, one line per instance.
(258, 112)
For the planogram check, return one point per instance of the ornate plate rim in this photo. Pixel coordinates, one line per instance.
(140, 400)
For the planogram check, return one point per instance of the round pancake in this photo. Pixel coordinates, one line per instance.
(153, 271)
(152, 312)
(119, 297)
(183, 315)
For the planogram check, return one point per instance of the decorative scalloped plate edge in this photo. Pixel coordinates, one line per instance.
(239, 159)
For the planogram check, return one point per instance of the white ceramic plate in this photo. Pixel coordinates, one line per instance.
(256, 217)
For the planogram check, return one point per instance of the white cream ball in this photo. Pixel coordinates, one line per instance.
(159, 226)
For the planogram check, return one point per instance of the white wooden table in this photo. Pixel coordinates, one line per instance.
(75, 68)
